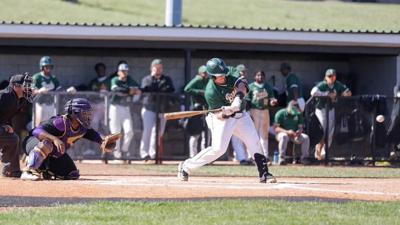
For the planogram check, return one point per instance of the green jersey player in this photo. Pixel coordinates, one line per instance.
(332, 88)
(226, 91)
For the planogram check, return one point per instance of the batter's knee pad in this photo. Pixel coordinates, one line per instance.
(39, 154)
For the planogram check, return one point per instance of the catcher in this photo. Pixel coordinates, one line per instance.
(46, 144)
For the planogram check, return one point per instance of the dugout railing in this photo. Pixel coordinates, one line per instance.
(358, 137)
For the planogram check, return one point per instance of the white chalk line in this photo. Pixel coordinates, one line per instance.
(238, 185)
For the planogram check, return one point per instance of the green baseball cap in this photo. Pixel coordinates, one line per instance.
(241, 68)
(330, 72)
(202, 69)
(156, 62)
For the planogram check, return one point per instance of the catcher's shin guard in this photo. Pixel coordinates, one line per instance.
(39, 154)
(261, 163)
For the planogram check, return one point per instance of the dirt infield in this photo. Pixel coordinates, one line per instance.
(118, 183)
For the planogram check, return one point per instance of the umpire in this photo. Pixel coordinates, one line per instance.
(12, 99)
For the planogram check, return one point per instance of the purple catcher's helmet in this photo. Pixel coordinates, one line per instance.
(80, 109)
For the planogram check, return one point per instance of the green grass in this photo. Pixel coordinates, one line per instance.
(282, 171)
(255, 13)
(209, 212)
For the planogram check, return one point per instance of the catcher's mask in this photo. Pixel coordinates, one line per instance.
(25, 81)
(79, 109)
(28, 93)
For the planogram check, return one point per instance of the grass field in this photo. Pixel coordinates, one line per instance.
(210, 212)
(283, 171)
(254, 13)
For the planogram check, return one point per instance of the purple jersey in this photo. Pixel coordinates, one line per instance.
(60, 126)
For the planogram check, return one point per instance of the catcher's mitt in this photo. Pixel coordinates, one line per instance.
(109, 142)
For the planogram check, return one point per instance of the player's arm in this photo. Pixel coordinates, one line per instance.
(93, 135)
(191, 88)
(278, 129)
(241, 91)
(41, 134)
(344, 90)
(316, 91)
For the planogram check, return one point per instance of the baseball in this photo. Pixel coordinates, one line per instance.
(380, 118)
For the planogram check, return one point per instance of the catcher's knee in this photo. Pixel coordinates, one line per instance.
(39, 153)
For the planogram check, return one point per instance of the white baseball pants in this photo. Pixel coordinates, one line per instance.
(221, 133)
(121, 119)
(148, 142)
(44, 112)
(261, 122)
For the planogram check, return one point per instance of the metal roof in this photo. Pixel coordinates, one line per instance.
(197, 34)
(361, 31)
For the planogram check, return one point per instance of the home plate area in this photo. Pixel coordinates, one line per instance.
(208, 187)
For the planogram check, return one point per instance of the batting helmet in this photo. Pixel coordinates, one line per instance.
(45, 61)
(80, 109)
(216, 67)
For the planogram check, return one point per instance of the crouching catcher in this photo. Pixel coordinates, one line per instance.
(46, 144)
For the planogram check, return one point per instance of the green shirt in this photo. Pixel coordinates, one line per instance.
(259, 95)
(222, 95)
(50, 82)
(292, 81)
(196, 88)
(122, 88)
(324, 88)
(100, 84)
(287, 121)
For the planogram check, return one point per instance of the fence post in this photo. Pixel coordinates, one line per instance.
(326, 137)
(158, 141)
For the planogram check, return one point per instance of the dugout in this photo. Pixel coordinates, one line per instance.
(368, 61)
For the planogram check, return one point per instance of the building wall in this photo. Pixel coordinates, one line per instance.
(374, 74)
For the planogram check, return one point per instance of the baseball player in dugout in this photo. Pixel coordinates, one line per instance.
(332, 88)
(47, 144)
(289, 124)
(15, 96)
(43, 82)
(153, 103)
(120, 114)
(226, 92)
(195, 88)
(261, 97)
(294, 88)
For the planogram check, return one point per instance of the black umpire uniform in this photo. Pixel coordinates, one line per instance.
(10, 105)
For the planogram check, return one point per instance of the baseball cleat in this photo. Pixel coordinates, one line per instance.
(29, 175)
(268, 178)
(182, 175)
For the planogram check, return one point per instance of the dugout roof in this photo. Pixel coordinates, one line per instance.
(198, 37)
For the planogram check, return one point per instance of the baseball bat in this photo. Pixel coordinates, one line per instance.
(185, 114)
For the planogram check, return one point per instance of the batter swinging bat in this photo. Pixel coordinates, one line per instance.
(185, 114)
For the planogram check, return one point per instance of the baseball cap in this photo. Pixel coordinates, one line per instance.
(241, 68)
(17, 79)
(330, 72)
(285, 66)
(156, 62)
(202, 69)
(123, 67)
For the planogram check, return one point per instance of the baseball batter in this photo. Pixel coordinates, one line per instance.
(227, 92)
